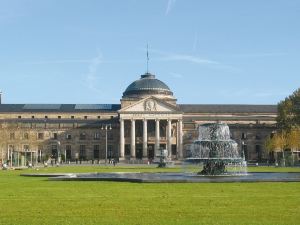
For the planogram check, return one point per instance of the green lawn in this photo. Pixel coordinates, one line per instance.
(26, 200)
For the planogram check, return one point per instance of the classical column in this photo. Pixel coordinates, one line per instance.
(169, 137)
(145, 139)
(180, 140)
(132, 143)
(157, 136)
(11, 158)
(8, 154)
(122, 140)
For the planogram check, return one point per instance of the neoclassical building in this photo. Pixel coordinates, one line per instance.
(147, 120)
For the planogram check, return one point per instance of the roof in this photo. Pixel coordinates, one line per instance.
(59, 107)
(190, 108)
(147, 84)
(186, 108)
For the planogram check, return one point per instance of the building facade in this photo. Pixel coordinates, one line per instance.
(147, 120)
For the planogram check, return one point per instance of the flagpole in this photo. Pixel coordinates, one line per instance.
(147, 59)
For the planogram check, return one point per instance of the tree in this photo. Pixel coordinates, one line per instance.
(289, 112)
(269, 145)
(293, 140)
(277, 143)
(288, 122)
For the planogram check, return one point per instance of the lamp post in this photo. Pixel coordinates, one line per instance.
(243, 150)
(106, 127)
(58, 153)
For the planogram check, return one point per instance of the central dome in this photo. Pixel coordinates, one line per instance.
(147, 85)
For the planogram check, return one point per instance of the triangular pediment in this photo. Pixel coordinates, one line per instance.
(150, 105)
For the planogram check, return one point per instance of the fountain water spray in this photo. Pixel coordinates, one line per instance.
(216, 151)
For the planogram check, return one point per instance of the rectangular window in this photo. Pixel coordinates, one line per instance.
(244, 136)
(85, 117)
(99, 117)
(26, 148)
(96, 136)
(82, 155)
(40, 153)
(32, 117)
(12, 136)
(258, 152)
(59, 117)
(26, 136)
(68, 147)
(110, 151)
(11, 147)
(68, 152)
(19, 117)
(40, 136)
(96, 151)
(46, 117)
(72, 117)
(55, 136)
(82, 136)
(257, 148)
(68, 136)
(110, 136)
(54, 151)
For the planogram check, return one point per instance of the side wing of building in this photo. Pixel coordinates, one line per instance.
(250, 125)
(37, 132)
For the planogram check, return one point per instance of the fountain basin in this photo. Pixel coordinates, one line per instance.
(174, 177)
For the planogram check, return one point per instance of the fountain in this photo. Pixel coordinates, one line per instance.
(216, 151)
(218, 154)
(162, 159)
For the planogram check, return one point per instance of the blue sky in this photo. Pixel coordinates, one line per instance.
(208, 52)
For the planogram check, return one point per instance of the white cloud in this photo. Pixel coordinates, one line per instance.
(176, 75)
(195, 41)
(170, 4)
(91, 76)
(60, 61)
(257, 54)
(181, 57)
(246, 92)
(271, 94)
(82, 61)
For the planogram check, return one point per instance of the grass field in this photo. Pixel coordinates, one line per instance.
(29, 201)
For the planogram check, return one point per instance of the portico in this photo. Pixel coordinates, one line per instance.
(150, 124)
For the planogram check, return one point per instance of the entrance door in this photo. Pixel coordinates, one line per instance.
(162, 146)
(139, 151)
(174, 150)
(127, 151)
(151, 151)
(68, 154)
(97, 152)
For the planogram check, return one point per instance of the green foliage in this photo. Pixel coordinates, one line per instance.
(269, 144)
(289, 112)
(38, 201)
(293, 138)
(288, 121)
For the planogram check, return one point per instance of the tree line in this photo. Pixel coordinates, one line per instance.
(286, 139)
